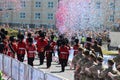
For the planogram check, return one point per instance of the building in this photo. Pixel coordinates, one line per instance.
(42, 12)
(31, 12)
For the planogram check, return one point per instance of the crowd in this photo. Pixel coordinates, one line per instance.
(87, 60)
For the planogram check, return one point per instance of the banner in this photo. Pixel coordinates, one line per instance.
(37, 75)
(15, 69)
(1, 62)
(51, 77)
(22, 75)
(7, 65)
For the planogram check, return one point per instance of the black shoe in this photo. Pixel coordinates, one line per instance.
(61, 71)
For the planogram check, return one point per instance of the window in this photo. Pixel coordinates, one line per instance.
(38, 4)
(50, 16)
(111, 18)
(37, 15)
(50, 4)
(22, 15)
(98, 5)
(112, 6)
(23, 4)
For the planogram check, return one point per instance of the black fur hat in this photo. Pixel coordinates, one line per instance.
(12, 38)
(30, 40)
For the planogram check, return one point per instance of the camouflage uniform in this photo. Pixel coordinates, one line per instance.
(76, 58)
(104, 73)
(83, 63)
(117, 60)
(87, 65)
(94, 71)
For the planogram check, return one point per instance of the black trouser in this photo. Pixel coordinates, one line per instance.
(41, 57)
(63, 64)
(20, 57)
(49, 59)
(59, 56)
(30, 61)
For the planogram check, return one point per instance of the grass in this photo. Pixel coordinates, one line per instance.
(109, 52)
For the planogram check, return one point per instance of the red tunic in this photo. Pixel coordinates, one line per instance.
(31, 51)
(76, 47)
(10, 53)
(64, 51)
(52, 44)
(41, 45)
(21, 47)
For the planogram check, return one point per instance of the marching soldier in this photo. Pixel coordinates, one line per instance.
(28, 36)
(59, 43)
(64, 51)
(21, 48)
(49, 51)
(30, 51)
(76, 46)
(12, 47)
(41, 44)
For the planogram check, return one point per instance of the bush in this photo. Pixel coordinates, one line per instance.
(12, 32)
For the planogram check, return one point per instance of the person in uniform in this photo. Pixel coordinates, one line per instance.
(80, 64)
(104, 73)
(95, 69)
(97, 49)
(77, 57)
(64, 51)
(41, 44)
(12, 47)
(76, 46)
(68, 46)
(28, 36)
(91, 62)
(59, 43)
(2, 46)
(117, 58)
(21, 48)
(115, 76)
(49, 51)
(30, 51)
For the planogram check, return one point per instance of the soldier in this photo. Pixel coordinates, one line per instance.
(59, 43)
(12, 47)
(2, 46)
(115, 76)
(117, 58)
(49, 51)
(97, 49)
(76, 46)
(41, 44)
(77, 57)
(21, 48)
(95, 69)
(91, 62)
(104, 73)
(64, 51)
(68, 46)
(78, 74)
(28, 36)
(30, 51)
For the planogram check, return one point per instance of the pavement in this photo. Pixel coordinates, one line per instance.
(55, 70)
